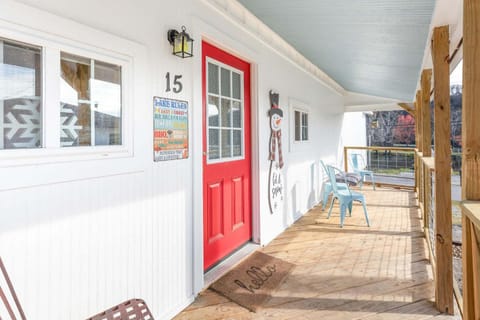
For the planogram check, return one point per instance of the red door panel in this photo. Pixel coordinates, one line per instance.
(238, 216)
(215, 223)
(226, 153)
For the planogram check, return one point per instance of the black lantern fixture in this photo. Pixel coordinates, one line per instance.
(181, 42)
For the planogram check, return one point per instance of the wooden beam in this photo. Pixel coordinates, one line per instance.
(471, 144)
(419, 114)
(419, 134)
(426, 116)
(405, 106)
(416, 125)
(471, 100)
(417, 130)
(443, 200)
(426, 137)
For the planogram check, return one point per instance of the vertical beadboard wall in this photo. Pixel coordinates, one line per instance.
(73, 249)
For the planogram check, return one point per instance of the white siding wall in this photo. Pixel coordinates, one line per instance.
(354, 133)
(110, 230)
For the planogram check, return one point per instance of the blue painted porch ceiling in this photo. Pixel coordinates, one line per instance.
(374, 47)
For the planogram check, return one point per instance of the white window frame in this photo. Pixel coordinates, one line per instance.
(2, 102)
(51, 74)
(302, 113)
(298, 106)
(92, 110)
(52, 163)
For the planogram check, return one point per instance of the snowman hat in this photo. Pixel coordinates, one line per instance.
(273, 111)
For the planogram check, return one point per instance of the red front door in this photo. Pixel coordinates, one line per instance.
(226, 153)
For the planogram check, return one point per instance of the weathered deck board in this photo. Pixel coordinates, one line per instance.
(355, 272)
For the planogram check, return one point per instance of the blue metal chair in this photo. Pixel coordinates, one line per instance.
(345, 197)
(359, 167)
(327, 187)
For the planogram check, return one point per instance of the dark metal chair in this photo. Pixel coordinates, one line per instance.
(134, 309)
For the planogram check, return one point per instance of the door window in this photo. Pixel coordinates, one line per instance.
(225, 113)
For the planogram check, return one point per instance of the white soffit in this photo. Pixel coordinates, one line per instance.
(355, 102)
(375, 47)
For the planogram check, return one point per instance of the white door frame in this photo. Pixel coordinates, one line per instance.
(197, 143)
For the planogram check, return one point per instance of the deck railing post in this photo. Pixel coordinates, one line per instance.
(415, 170)
(426, 137)
(428, 194)
(415, 155)
(470, 153)
(419, 119)
(419, 135)
(421, 192)
(426, 115)
(443, 201)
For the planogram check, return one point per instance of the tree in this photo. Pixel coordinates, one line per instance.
(404, 131)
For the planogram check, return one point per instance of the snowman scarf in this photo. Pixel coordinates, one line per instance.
(276, 132)
(276, 139)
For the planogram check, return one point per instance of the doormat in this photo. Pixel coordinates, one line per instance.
(252, 282)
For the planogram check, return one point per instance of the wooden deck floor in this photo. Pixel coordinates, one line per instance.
(381, 272)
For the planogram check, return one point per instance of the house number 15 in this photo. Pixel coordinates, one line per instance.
(177, 85)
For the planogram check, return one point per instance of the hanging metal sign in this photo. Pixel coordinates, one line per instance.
(170, 129)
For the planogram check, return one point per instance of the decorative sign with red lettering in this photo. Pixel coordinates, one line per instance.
(170, 129)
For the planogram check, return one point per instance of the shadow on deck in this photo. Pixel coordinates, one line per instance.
(355, 272)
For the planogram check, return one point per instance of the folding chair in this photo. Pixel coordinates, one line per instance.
(360, 167)
(10, 304)
(345, 197)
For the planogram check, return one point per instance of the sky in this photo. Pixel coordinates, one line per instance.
(456, 75)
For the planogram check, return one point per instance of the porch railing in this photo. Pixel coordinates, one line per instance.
(392, 166)
(426, 198)
(425, 189)
(420, 171)
(471, 255)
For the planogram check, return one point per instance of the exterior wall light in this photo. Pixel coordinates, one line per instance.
(181, 42)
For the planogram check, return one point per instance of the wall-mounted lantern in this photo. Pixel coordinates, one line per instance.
(181, 42)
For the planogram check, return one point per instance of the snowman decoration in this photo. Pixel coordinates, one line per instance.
(275, 183)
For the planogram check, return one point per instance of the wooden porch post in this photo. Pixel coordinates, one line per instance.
(470, 101)
(419, 119)
(471, 153)
(415, 116)
(425, 83)
(443, 197)
(419, 113)
(426, 116)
